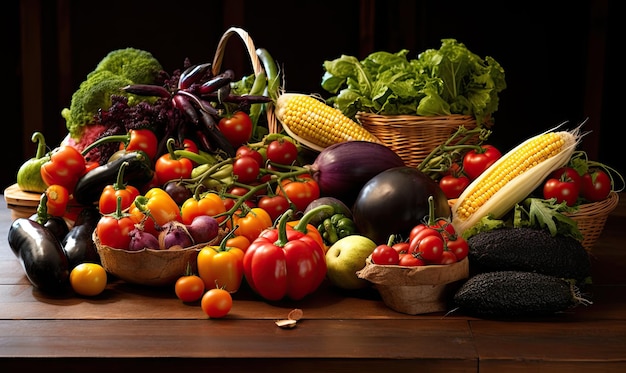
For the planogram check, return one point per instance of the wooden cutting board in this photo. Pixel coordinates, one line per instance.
(22, 204)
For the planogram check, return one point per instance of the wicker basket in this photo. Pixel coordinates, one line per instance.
(148, 266)
(591, 218)
(413, 137)
(272, 124)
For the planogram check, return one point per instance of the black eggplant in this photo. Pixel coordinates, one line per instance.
(55, 224)
(41, 255)
(78, 243)
(396, 200)
(137, 173)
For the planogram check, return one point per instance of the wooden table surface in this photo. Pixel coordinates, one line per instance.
(131, 327)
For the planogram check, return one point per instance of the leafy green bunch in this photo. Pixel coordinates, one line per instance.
(440, 82)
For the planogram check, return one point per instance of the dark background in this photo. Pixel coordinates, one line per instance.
(559, 57)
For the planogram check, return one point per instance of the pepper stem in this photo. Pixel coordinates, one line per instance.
(304, 221)
(282, 228)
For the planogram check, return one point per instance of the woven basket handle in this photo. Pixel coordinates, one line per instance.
(257, 67)
(247, 40)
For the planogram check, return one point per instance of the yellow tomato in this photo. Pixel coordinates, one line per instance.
(88, 279)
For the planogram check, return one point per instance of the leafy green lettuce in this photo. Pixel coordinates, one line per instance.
(450, 80)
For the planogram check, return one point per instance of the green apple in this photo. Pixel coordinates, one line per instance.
(347, 256)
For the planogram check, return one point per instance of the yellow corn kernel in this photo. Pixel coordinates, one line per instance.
(513, 177)
(317, 123)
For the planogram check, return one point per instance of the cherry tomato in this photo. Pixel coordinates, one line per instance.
(417, 238)
(246, 150)
(189, 288)
(216, 303)
(401, 247)
(447, 257)
(282, 151)
(596, 185)
(476, 162)
(385, 255)
(57, 198)
(237, 128)
(88, 279)
(459, 247)
(431, 248)
(452, 186)
(410, 260)
(246, 169)
(562, 191)
(274, 205)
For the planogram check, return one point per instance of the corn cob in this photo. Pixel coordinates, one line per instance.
(318, 124)
(513, 177)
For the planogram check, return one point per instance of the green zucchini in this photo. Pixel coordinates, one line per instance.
(505, 294)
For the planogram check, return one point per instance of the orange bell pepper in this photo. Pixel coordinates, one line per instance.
(158, 205)
(221, 266)
(251, 223)
(210, 204)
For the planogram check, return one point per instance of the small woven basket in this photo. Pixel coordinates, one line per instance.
(591, 218)
(148, 266)
(272, 124)
(413, 137)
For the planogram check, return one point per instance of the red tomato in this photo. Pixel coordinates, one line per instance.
(237, 128)
(246, 150)
(418, 237)
(476, 162)
(459, 247)
(274, 205)
(566, 174)
(411, 260)
(216, 303)
(452, 186)
(189, 288)
(562, 191)
(167, 168)
(596, 185)
(301, 191)
(385, 255)
(282, 152)
(246, 169)
(401, 247)
(447, 257)
(431, 248)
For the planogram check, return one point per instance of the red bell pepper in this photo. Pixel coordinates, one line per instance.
(65, 166)
(108, 199)
(114, 229)
(284, 261)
